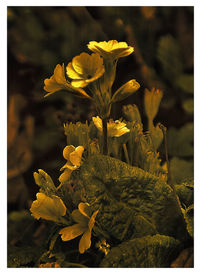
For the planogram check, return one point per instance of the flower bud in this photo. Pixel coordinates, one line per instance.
(132, 113)
(152, 102)
(126, 90)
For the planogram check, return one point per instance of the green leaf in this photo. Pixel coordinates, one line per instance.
(149, 251)
(122, 193)
(188, 106)
(180, 141)
(186, 83)
(168, 54)
(44, 181)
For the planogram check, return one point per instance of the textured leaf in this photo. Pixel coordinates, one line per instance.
(149, 251)
(122, 193)
(185, 192)
(23, 257)
(189, 218)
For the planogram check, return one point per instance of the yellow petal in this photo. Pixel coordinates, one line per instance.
(111, 49)
(85, 241)
(75, 156)
(59, 74)
(67, 150)
(92, 220)
(48, 208)
(85, 209)
(70, 232)
(65, 175)
(71, 73)
(68, 165)
(50, 85)
(98, 123)
(80, 63)
(80, 218)
(79, 83)
(85, 69)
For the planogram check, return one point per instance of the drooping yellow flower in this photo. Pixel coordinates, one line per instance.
(111, 49)
(114, 128)
(85, 69)
(51, 209)
(84, 225)
(73, 156)
(58, 82)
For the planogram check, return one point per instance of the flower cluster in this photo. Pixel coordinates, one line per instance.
(97, 72)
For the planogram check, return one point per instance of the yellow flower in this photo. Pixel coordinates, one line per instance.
(84, 226)
(73, 156)
(51, 209)
(111, 49)
(85, 69)
(58, 82)
(114, 128)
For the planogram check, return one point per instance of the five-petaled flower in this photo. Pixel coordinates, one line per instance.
(85, 69)
(48, 208)
(84, 225)
(114, 128)
(73, 156)
(111, 49)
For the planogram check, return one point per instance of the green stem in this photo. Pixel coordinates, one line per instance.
(170, 182)
(105, 136)
(126, 154)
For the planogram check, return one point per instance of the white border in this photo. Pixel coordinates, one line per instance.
(3, 124)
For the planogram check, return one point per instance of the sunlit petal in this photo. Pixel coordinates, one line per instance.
(85, 209)
(48, 208)
(65, 175)
(85, 241)
(70, 232)
(75, 156)
(67, 150)
(92, 220)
